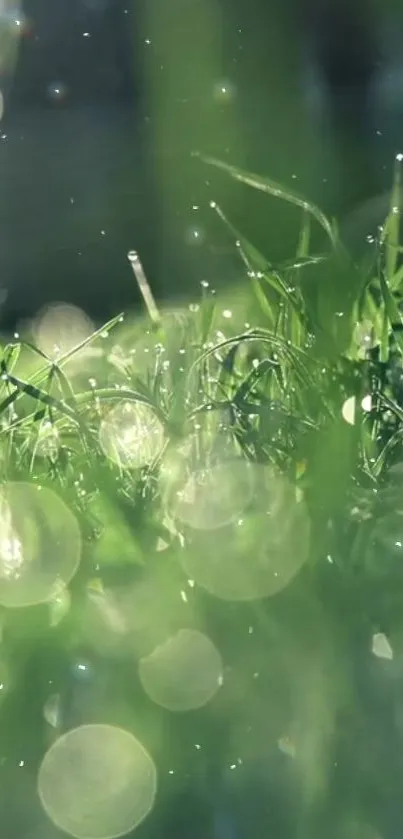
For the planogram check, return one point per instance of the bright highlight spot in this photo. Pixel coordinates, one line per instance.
(381, 646)
(348, 410)
(183, 673)
(366, 403)
(224, 91)
(131, 435)
(97, 782)
(40, 545)
(57, 92)
(260, 552)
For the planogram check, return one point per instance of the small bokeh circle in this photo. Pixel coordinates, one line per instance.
(183, 673)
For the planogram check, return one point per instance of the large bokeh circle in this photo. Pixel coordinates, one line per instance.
(40, 544)
(97, 782)
(260, 552)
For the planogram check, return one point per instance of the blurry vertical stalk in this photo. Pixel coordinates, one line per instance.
(144, 287)
(191, 106)
(10, 31)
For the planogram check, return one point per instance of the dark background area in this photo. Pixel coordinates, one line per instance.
(109, 97)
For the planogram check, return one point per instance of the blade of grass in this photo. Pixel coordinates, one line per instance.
(270, 187)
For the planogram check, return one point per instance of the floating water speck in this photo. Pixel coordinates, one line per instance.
(40, 545)
(183, 673)
(194, 236)
(224, 91)
(97, 782)
(57, 92)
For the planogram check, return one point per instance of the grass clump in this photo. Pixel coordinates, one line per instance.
(231, 471)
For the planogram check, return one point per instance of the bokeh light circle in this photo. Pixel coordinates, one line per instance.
(258, 554)
(213, 497)
(60, 328)
(131, 435)
(183, 673)
(40, 544)
(97, 782)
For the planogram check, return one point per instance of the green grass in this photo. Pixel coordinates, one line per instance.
(263, 380)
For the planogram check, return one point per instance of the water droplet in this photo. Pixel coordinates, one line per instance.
(194, 235)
